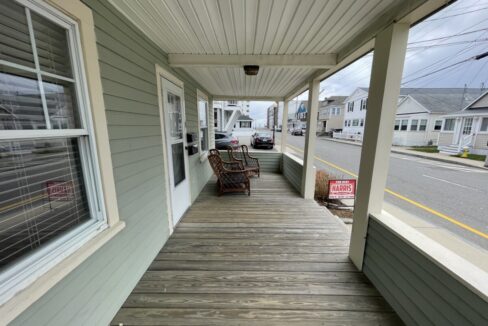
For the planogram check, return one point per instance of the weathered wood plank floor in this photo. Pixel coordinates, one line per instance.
(269, 259)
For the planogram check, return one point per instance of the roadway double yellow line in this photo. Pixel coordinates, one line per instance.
(406, 199)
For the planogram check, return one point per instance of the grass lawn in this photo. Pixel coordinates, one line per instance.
(473, 157)
(425, 149)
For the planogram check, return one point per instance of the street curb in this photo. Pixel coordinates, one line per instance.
(410, 154)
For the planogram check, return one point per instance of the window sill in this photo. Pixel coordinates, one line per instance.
(23, 299)
(464, 262)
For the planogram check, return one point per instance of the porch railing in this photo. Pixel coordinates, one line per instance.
(348, 136)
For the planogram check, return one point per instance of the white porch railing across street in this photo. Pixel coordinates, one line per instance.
(348, 136)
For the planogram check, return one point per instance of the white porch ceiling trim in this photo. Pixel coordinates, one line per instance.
(208, 60)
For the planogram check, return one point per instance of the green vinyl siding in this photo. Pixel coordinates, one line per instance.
(421, 292)
(293, 170)
(93, 292)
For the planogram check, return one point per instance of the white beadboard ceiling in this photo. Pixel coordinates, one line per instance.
(234, 28)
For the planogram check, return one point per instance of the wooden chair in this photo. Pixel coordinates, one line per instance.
(229, 179)
(241, 154)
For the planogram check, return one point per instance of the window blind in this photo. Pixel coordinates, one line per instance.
(42, 194)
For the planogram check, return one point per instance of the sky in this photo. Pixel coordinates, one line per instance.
(452, 35)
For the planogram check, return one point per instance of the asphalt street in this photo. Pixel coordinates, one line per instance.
(456, 191)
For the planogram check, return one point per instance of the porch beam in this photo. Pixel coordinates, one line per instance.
(284, 126)
(238, 60)
(386, 75)
(308, 175)
(247, 98)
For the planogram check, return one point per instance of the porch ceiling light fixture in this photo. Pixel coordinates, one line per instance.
(251, 70)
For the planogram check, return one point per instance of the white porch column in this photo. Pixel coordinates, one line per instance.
(284, 126)
(386, 76)
(308, 176)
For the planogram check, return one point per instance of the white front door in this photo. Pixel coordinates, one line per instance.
(174, 132)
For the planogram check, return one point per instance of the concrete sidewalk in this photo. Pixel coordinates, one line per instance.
(430, 156)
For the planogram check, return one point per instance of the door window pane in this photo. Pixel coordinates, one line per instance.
(468, 123)
(42, 194)
(178, 162)
(20, 100)
(52, 46)
(175, 116)
(15, 44)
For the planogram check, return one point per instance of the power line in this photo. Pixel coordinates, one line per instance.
(464, 13)
(449, 36)
(476, 57)
(447, 44)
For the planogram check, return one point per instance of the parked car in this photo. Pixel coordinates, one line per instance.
(298, 131)
(262, 139)
(224, 140)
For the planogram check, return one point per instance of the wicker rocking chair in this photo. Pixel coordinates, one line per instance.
(230, 165)
(229, 179)
(241, 154)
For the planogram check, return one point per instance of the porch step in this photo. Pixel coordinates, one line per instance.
(449, 149)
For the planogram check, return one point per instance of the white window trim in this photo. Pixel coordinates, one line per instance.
(443, 130)
(203, 154)
(480, 124)
(88, 241)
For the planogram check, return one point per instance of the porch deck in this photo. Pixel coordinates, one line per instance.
(269, 259)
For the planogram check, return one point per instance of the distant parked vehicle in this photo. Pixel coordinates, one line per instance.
(262, 139)
(298, 132)
(224, 140)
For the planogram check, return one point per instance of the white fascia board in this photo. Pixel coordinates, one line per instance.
(214, 60)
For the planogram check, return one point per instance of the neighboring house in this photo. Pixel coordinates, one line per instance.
(468, 127)
(299, 118)
(227, 112)
(331, 114)
(244, 126)
(276, 114)
(419, 112)
(355, 106)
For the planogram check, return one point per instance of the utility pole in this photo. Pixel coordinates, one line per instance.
(486, 161)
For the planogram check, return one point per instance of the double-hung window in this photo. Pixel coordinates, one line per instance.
(203, 122)
(414, 125)
(364, 104)
(484, 125)
(350, 106)
(403, 125)
(449, 124)
(50, 193)
(438, 125)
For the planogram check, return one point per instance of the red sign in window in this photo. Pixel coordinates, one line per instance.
(59, 190)
(342, 189)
